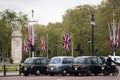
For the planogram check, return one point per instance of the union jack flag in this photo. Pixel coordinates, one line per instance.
(43, 45)
(25, 49)
(114, 31)
(66, 42)
(110, 34)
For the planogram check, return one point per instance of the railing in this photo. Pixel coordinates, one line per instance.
(9, 68)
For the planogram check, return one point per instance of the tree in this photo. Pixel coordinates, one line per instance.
(6, 17)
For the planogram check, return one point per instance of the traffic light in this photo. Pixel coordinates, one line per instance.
(78, 46)
(32, 48)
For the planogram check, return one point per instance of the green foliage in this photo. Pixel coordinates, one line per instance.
(6, 17)
(76, 22)
(9, 68)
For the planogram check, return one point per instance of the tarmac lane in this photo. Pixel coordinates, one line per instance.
(59, 77)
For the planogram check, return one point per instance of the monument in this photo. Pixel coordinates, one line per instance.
(16, 42)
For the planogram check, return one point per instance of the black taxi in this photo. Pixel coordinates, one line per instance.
(34, 65)
(87, 65)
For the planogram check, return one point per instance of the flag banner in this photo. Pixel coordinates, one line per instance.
(35, 39)
(66, 42)
(118, 35)
(29, 29)
(43, 48)
(114, 30)
(110, 34)
(25, 49)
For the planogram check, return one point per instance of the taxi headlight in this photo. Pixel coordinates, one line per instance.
(102, 68)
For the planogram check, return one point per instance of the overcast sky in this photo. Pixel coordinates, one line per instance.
(45, 10)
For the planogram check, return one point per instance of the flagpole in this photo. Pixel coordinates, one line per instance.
(114, 34)
(72, 44)
(32, 34)
(47, 45)
(29, 48)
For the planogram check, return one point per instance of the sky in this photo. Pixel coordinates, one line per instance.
(45, 11)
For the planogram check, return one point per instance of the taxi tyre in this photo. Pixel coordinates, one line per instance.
(26, 74)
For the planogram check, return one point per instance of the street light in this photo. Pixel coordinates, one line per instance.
(89, 42)
(93, 24)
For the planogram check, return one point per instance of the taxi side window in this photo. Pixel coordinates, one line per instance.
(64, 61)
(88, 61)
(94, 61)
(70, 61)
(100, 61)
(67, 61)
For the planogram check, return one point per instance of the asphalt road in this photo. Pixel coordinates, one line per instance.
(59, 77)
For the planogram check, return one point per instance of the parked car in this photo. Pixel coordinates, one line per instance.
(87, 65)
(116, 59)
(35, 65)
(60, 65)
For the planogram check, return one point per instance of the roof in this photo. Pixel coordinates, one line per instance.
(63, 57)
(84, 56)
(35, 57)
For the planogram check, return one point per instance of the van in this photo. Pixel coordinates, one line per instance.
(60, 65)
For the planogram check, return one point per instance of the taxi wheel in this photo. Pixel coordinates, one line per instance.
(26, 74)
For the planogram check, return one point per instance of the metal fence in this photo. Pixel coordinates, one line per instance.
(10, 69)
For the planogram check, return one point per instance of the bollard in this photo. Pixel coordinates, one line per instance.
(4, 70)
(20, 69)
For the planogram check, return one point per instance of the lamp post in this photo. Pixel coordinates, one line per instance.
(93, 24)
(89, 42)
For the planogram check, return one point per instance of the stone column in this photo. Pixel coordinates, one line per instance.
(16, 45)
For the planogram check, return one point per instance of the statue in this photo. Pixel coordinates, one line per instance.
(16, 26)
